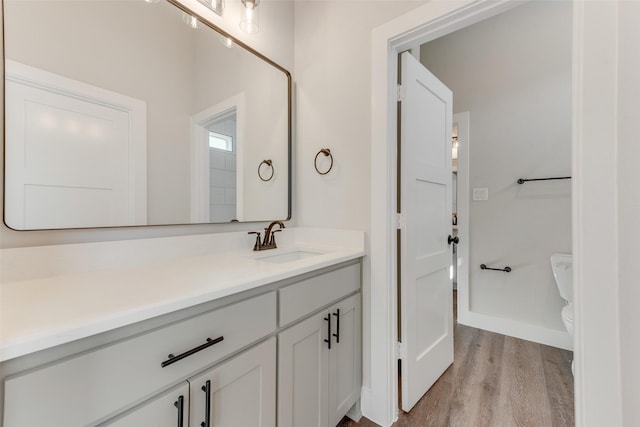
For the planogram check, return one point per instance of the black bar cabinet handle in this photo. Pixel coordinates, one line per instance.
(173, 359)
(507, 269)
(337, 334)
(207, 404)
(328, 340)
(180, 405)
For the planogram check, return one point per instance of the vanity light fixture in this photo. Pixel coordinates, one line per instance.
(250, 20)
(215, 5)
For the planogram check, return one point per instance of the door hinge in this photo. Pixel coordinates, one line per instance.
(401, 350)
(400, 221)
(399, 93)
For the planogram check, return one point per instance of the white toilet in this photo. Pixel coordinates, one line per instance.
(562, 267)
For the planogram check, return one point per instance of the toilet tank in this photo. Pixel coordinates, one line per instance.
(562, 267)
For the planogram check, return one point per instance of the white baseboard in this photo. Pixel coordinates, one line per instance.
(525, 331)
(373, 412)
(355, 413)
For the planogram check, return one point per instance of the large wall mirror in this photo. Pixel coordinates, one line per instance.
(126, 113)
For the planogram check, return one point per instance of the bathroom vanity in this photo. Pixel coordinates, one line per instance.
(213, 335)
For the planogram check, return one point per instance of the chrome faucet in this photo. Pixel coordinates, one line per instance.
(269, 241)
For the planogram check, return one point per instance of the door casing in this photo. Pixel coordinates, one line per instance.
(426, 23)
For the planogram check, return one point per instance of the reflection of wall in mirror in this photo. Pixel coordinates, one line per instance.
(265, 91)
(152, 57)
(120, 67)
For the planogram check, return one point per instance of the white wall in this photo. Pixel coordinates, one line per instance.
(629, 206)
(275, 40)
(333, 85)
(513, 74)
(333, 80)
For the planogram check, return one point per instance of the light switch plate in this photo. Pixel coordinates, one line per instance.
(480, 194)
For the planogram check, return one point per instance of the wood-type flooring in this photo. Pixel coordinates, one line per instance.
(495, 381)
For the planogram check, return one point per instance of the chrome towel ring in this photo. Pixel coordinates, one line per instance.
(327, 153)
(269, 164)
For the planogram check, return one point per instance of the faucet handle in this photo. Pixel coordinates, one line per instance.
(256, 246)
(273, 237)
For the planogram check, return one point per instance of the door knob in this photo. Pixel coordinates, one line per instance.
(455, 240)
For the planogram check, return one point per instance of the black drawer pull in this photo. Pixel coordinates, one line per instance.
(337, 334)
(328, 340)
(180, 405)
(173, 359)
(207, 412)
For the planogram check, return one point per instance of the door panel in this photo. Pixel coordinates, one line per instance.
(431, 148)
(425, 203)
(302, 374)
(429, 207)
(241, 391)
(163, 411)
(345, 368)
(431, 320)
(73, 146)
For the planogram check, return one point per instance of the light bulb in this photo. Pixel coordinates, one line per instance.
(250, 22)
(190, 20)
(454, 149)
(226, 41)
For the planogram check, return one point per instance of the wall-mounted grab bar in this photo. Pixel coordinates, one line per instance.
(507, 269)
(523, 180)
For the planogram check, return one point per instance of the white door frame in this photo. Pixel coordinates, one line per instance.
(597, 396)
(461, 120)
(200, 156)
(135, 109)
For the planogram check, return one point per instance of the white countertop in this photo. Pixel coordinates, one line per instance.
(41, 312)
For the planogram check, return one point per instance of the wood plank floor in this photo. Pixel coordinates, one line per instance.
(495, 381)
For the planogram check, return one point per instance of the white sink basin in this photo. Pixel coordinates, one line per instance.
(288, 256)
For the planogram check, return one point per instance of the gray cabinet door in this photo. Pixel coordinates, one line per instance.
(302, 373)
(318, 383)
(170, 409)
(345, 358)
(238, 393)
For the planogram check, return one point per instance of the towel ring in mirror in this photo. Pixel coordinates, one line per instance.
(269, 164)
(326, 153)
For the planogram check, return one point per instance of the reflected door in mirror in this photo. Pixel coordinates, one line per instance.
(139, 170)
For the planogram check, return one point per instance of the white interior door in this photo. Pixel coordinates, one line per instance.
(425, 204)
(76, 155)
